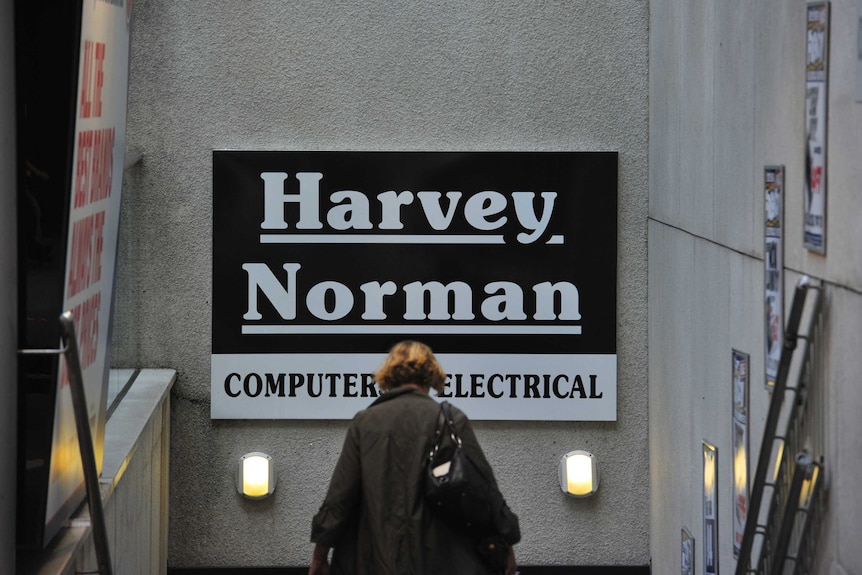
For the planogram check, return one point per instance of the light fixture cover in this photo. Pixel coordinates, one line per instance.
(579, 476)
(256, 475)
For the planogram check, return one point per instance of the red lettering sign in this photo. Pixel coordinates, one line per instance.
(103, 165)
(86, 316)
(82, 168)
(85, 79)
(92, 79)
(85, 263)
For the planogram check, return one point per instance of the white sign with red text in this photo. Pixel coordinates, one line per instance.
(94, 214)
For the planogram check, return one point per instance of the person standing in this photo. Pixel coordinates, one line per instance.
(374, 516)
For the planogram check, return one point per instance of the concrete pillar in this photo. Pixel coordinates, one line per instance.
(8, 290)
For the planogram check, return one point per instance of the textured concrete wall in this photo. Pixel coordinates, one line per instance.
(377, 75)
(727, 98)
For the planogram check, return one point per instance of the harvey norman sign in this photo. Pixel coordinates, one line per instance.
(503, 262)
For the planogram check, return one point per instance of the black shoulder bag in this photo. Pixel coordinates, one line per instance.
(460, 494)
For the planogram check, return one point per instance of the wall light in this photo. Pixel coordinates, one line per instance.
(256, 476)
(579, 476)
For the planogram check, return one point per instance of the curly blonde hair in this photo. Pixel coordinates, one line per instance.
(410, 362)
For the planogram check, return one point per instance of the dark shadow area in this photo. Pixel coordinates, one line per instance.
(524, 570)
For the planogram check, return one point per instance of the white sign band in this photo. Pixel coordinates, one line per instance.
(486, 386)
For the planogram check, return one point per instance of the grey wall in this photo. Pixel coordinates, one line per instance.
(377, 75)
(8, 289)
(727, 98)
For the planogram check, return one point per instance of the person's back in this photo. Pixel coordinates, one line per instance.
(394, 436)
(375, 514)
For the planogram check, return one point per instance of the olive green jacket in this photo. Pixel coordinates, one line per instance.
(375, 516)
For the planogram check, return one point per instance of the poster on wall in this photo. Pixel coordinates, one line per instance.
(773, 183)
(816, 118)
(739, 379)
(687, 559)
(739, 366)
(503, 262)
(710, 509)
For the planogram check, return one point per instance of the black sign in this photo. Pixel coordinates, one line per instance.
(489, 252)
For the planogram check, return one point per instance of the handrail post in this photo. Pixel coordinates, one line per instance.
(85, 442)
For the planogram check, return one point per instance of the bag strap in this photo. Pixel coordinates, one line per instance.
(450, 421)
(444, 420)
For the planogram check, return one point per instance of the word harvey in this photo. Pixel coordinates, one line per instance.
(459, 385)
(484, 211)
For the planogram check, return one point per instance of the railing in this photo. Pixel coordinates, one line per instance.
(784, 502)
(85, 439)
(804, 539)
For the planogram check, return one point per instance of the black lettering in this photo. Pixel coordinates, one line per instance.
(513, 381)
(258, 384)
(458, 391)
(476, 384)
(547, 386)
(578, 385)
(368, 389)
(446, 383)
(557, 388)
(333, 379)
(350, 385)
(593, 388)
(531, 386)
(274, 385)
(311, 391)
(491, 386)
(297, 380)
(227, 388)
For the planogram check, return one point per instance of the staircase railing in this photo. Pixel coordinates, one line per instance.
(85, 439)
(788, 477)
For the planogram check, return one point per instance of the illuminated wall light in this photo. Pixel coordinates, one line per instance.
(579, 476)
(256, 476)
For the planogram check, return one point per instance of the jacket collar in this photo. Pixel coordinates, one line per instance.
(393, 393)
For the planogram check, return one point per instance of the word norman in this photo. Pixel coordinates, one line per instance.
(332, 300)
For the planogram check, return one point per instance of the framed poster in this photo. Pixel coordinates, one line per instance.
(773, 184)
(710, 509)
(503, 262)
(740, 367)
(687, 559)
(816, 120)
(740, 482)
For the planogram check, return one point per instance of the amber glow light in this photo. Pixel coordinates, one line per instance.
(256, 477)
(578, 474)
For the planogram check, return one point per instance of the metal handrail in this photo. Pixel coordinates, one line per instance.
(85, 439)
(802, 471)
(775, 407)
(803, 553)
